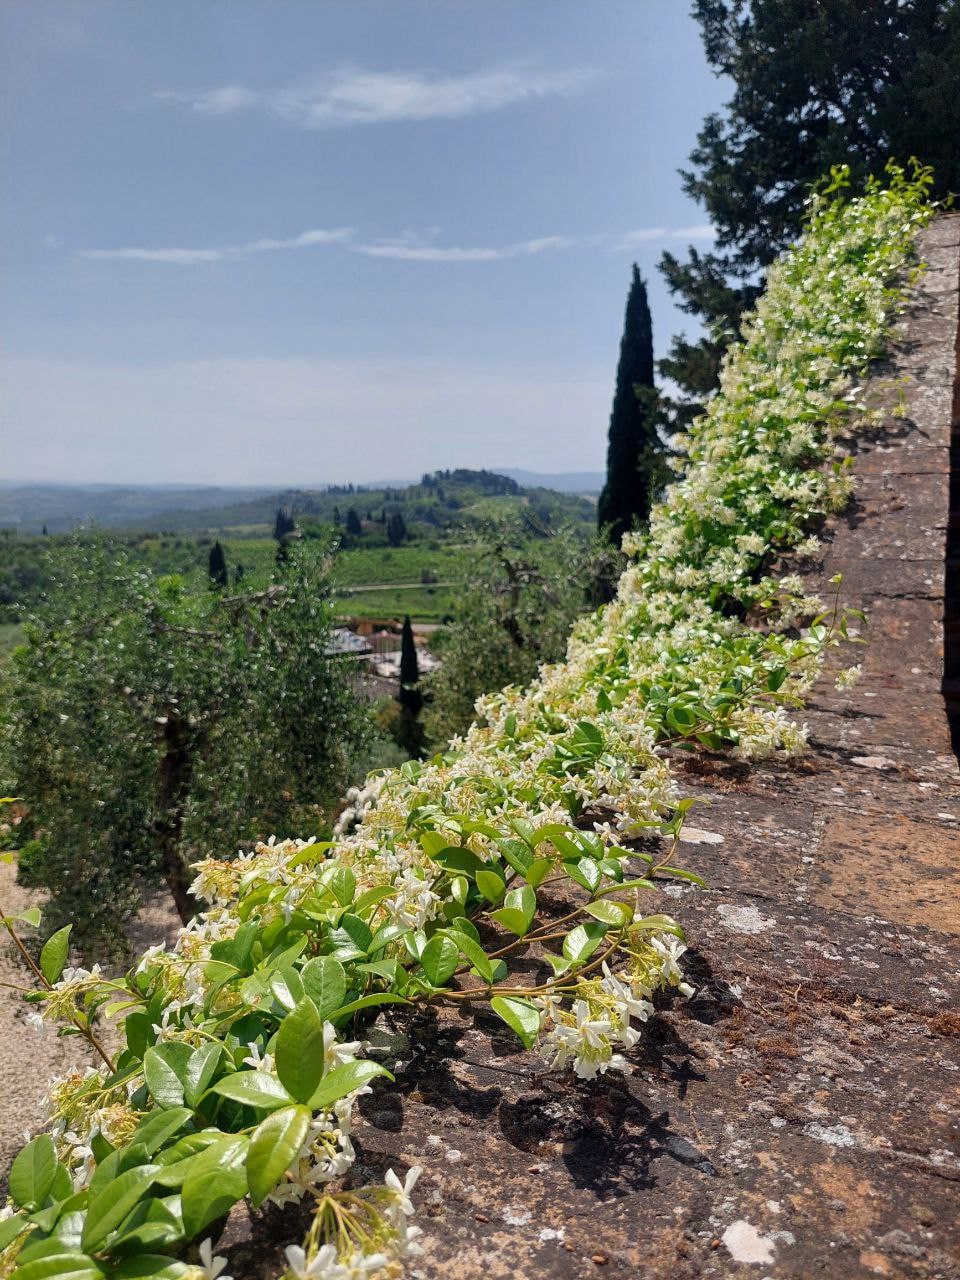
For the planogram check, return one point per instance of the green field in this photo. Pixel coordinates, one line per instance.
(361, 566)
(421, 576)
(423, 604)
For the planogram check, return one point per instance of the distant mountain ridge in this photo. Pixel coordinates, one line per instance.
(561, 482)
(27, 508)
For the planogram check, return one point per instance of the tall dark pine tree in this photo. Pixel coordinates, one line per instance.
(217, 566)
(816, 83)
(410, 696)
(634, 447)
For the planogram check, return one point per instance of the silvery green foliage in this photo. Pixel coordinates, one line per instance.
(146, 722)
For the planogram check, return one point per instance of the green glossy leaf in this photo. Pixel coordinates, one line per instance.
(585, 873)
(432, 843)
(165, 1069)
(325, 982)
(254, 989)
(200, 1070)
(342, 883)
(287, 987)
(156, 1129)
(626, 884)
(153, 1224)
(566, 846)
(356, 929)
(616, 914)
(189, 1145)
(523, 899)
(581, 942)
(216, 1180)
(491, 884)
(10, 1228)
(680, 874)
(113, 1202)
(54, 954)
(387, 969)
(253, 1089)
(473, 951)
(520, 1016)
(516, 853)
(138, 1029)
(273, 1147)
(59, 1228)
(61, 1266)
(299, 1050)
(372, 896)
(511, 919)
(33, 1172)
(457, 859)
(439, 959)
(336, 1084)
(386, 934)
(537, 871)
(367, 1002)
(62, 1184)
(180, 1161)
(32, 916)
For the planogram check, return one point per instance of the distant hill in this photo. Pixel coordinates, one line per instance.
(441, 500)
(561, 482)
(62, 507)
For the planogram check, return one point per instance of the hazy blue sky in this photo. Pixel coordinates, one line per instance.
(324, 240)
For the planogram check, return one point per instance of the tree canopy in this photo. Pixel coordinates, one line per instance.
(147, 726)
(816, 83)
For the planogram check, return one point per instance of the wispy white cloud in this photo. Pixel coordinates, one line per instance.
(408, 249)
(657, 235)
(351, 96)
(189, 257)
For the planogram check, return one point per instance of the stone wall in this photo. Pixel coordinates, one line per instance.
(798, 1116)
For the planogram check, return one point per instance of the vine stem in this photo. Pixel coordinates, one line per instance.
(48, 986)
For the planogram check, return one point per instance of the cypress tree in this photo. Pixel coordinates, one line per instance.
(409, 696)
(217, 566)
(283, 525)
(353, 523)
(396, 529)
(633, 443)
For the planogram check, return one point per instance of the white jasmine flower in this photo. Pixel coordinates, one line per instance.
(257, 1061)
(212, 1266)
(850, 676)
(403, 1189)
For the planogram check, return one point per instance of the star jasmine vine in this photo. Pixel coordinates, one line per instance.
(242, 1044)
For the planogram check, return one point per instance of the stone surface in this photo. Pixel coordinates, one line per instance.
(799, 1116)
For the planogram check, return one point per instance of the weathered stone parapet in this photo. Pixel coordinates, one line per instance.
(797, 1117)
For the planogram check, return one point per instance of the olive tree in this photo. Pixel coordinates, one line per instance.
(149, 724)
